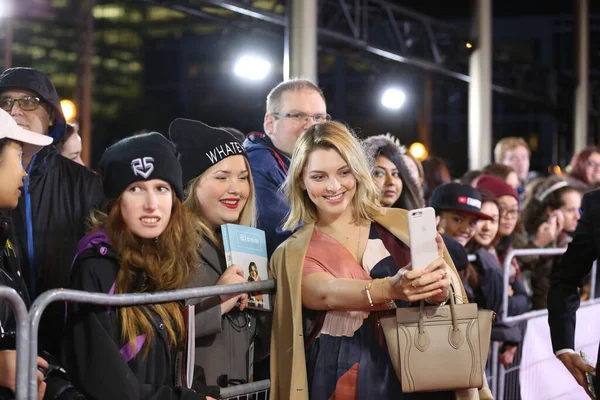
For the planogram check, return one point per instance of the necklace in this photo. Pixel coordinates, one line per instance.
(344, 242)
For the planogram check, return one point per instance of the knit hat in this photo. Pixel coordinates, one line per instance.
(201, 146)
(140, 158)
(497, 186)
(457, 197)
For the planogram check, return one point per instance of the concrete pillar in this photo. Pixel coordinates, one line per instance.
(300, 58)
(480, 87)
(582, 90)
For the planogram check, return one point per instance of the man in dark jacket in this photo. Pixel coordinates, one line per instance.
(57, 197)
(565, 282)
(292, 107)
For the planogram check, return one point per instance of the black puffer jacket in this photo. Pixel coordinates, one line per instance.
(100, 364)
(50, 217)
(10, 275)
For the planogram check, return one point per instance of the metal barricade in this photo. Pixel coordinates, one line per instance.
(42, 302)
(20, 311)
(498, 371)
(254, 390)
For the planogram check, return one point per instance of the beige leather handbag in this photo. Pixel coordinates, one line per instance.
(439, 347)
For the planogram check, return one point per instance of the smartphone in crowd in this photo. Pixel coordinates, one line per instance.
(422, 233)
(589, 377)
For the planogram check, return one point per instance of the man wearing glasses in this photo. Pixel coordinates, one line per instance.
(57, 194)
(292, 107)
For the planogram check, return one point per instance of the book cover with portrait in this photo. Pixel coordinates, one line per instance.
(247, 247)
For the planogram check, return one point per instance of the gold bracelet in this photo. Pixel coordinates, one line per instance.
(368, 292)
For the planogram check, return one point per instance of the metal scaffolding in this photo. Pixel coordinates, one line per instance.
(384, 29)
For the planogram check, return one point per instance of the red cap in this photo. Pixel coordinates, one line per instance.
(497, 186)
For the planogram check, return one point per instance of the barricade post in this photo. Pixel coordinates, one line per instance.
(20, 311)
(42, 302)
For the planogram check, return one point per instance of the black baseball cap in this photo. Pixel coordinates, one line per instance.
(457, 197)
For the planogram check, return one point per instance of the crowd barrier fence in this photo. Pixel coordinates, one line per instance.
(46, 298)
(20, 310)
(28, 324)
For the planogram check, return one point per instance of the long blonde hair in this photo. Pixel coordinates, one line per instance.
(330, 136)
(148, 266)
(191, 202)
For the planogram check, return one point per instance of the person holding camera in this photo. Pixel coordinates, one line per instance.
(143, 242)
(15, 143)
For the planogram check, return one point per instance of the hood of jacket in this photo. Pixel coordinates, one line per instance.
(39, 83)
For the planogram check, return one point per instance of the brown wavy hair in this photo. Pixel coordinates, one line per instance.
(578, 161)
(148, 266)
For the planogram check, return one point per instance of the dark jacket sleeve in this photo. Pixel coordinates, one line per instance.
(272, 207)
(489, 296)
(519, 302)
(92, 355)
(568, 276)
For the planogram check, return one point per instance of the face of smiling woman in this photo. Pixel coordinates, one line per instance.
(329, 182)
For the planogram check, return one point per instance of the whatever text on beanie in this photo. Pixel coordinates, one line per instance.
(201, 146)
(140, 158)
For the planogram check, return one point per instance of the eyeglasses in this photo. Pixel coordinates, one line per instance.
(592, 164)
(301, 118)
(512, 214)
(27, 103)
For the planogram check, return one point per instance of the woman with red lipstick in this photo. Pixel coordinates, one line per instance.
(219, 190)
(144, 242)
(340, 273)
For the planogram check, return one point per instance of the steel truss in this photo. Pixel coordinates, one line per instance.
(389, 31)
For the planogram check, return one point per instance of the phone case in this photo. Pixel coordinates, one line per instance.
(422, 232)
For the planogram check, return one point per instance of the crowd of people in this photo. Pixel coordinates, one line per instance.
(334, 211)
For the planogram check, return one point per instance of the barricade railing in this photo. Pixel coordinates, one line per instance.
(499, 372)
(238, 391)
(46, 298)
(20, 312)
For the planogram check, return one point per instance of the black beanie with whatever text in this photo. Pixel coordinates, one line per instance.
(201, 146)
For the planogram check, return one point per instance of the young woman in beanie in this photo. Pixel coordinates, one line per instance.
(143, 242)
(219, 190)
(15, 143)
(509, 211)
(390, 172)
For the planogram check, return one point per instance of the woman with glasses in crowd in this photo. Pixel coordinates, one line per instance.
(502, 244)
(219, 191)
(143, 242)
(585, 167)
(342, 271)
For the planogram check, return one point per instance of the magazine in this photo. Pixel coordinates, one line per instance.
(185, 358)
(247, 247)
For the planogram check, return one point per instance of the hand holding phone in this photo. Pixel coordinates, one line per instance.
(589, 377)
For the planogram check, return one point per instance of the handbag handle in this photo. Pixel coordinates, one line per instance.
(452, 312)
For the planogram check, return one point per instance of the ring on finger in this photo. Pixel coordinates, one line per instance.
(414, 283)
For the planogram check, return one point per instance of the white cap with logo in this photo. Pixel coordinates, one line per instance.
(32, 142)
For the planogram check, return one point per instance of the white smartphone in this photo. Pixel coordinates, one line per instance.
(422, 232)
